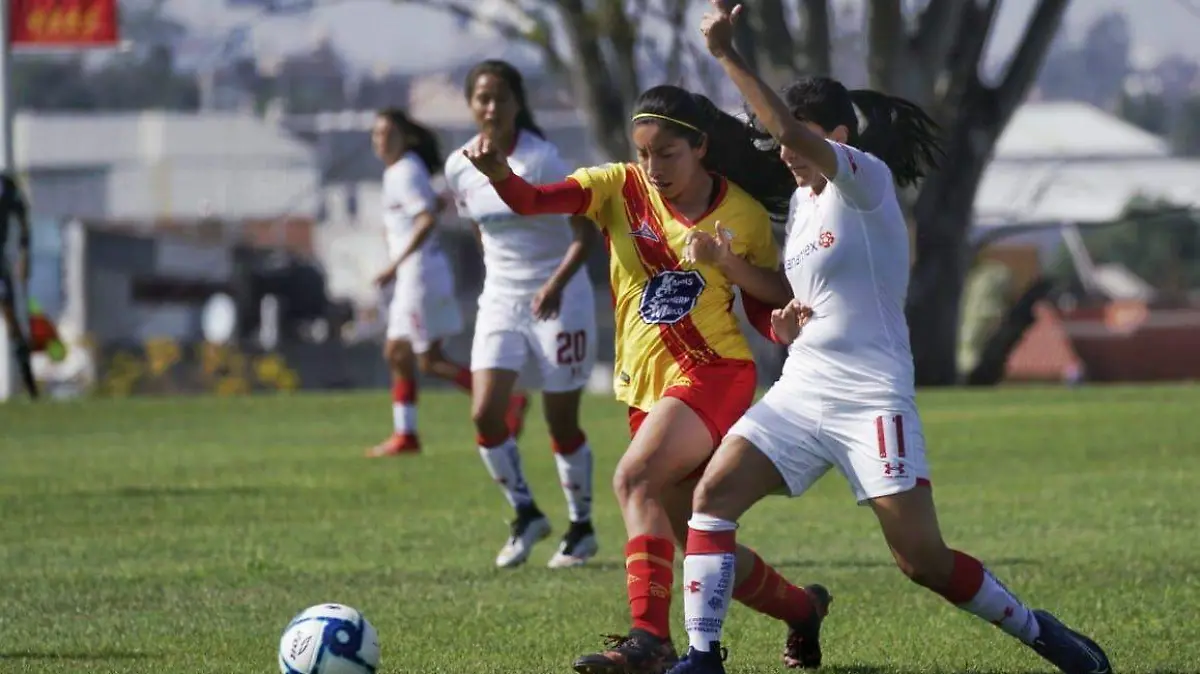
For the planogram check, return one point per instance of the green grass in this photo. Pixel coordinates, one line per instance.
(180, 535)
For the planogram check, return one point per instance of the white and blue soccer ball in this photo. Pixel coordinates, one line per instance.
(329, 639)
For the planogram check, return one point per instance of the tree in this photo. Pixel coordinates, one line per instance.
(935, 60)
(1185, 131)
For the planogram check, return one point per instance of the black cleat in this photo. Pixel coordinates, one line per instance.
(1067, 649)
(638, 653)
(803, 648)
(700, 662)
(578, 545)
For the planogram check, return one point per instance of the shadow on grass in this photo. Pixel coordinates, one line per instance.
(90, 656)
(172, 492)
(882, 563)
(612, 565)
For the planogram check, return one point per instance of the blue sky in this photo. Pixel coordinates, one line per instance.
(414, 38)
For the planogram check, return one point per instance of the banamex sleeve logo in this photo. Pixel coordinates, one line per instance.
(670, 296)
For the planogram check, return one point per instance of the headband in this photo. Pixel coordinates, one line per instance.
(650, 115)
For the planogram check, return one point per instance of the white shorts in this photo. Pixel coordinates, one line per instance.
(423, 312)
(879, 450)
(555, 355)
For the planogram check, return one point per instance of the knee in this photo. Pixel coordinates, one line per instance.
(707, 498)
(632, 482)
(488, 417)
(426, 363)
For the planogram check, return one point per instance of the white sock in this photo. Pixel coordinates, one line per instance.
(404, 418)
(504, 464)
(708, 578)
(575, 475)
(995, 604)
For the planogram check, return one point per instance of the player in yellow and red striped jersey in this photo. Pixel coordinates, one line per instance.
(682, 365)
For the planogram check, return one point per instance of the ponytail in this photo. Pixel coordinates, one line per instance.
(899, 133)
(896, 131)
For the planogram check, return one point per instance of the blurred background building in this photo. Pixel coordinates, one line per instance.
(222, 151)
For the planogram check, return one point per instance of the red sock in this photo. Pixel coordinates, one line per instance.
(650, 574)
(462, 379)
(569, 447)
(965, 579)
(769, 593)
(404, 391)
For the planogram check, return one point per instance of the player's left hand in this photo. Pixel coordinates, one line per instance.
(710, 248)
(788, 322)
(547, 302)
(386, 276)
(717, 26)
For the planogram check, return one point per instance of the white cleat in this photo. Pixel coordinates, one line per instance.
(578, 546)
(525, 533)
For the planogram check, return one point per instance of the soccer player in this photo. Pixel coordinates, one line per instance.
(12, 205)
(417, 282)
(682, 365)
(846, 398)
(536, 319)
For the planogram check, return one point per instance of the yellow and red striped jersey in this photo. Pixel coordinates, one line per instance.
(670, 317)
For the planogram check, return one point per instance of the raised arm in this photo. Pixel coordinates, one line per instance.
(770, 109)
(566, 198)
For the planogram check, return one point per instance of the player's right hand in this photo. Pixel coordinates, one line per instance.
(787, 322)
(717, 26)
(486, 157)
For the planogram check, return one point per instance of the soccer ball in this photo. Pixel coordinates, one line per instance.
(329, 639)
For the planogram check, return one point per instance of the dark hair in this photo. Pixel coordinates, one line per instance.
(417, 138)
(896, 131)
(516, 84)
(733, 148)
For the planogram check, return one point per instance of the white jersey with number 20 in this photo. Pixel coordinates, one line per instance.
(521, 253)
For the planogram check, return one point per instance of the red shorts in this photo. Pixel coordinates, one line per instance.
(719, 393)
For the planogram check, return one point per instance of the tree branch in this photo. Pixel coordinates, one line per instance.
(623, 36)
(935, 30)
(959, 75)
(1025, 64)
(817, 47)
(676, 16)
(885, 35)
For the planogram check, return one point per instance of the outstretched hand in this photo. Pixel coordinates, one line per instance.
(486, 157)
(787, 322)
(717, 26)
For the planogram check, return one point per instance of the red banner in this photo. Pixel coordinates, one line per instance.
(63, 23)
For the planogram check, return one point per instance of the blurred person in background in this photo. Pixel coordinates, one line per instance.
(536, 320)
(417, 283)
(15, 281)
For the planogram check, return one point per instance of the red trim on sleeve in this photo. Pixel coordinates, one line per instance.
(759, 315)
(567, 197)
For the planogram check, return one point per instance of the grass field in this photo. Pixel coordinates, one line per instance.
(180, 536)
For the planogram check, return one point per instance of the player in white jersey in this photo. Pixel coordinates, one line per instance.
(536, 323)
(417, 284)
(846, 398)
